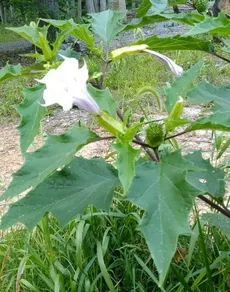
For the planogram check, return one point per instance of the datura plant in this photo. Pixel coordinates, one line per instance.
(148, 167)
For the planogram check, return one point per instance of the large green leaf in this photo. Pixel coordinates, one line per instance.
(58, 151)
(104, 99)
(144, 7)
(157, 6)
(218, 25)
(10, 71)
(182, 85)
(83, 33)
(125, 163)
(187, 18)
(107, 24)
(14, 71)
(60, 37)
(80, 31)
(31, 113)
(204, 123)
(220, 221)
(31, 32)
(162, 191)
(66, 193)
(208, 179)
(176, 2)
(62, 24)
(220, 96)
(176, 43)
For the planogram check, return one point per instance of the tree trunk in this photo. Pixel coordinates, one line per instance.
(133, 5)
(5, 14)
(122, 5)
(12, 12)
(103, 5)
(79, 9)
(73, 8)
(96, 5)
(221, 5)
(110, 4)
(90, 6)
(2, 12)
(116, 4)
(50, 8)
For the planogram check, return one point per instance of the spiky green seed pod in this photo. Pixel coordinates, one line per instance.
(155, 134)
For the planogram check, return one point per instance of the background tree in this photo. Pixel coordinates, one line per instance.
(221, 5)
(3, 11)
(90, 6)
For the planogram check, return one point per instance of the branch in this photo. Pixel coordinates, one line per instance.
(101, 139)
(219, 56)
(143, 144)
(176, 135)
(215, 206)
(139, 140)
(106, 64)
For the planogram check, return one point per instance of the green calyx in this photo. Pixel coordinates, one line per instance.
(113, 126)
(155, 134)
(174, 115)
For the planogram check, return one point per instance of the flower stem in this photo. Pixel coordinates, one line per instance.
(222, 210)
(176, 135)
(139, 140)
(219, 56)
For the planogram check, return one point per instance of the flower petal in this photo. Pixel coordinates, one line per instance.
(61, 97)
(176, 69)
(69, 69)
(85, 101)
(51, 75)
(67, 85)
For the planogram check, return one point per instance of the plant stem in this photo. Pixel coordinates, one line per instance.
(106, 63)
(215, 206)
(143, 144)
(176, 135)
(139, 140)
(219, 56)
(155, 157)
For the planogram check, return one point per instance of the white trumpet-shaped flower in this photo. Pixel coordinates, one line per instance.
(176, 69)
(67, 86)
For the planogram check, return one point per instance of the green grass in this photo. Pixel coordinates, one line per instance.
(11, 94)
(7, 35)
(105, 252)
